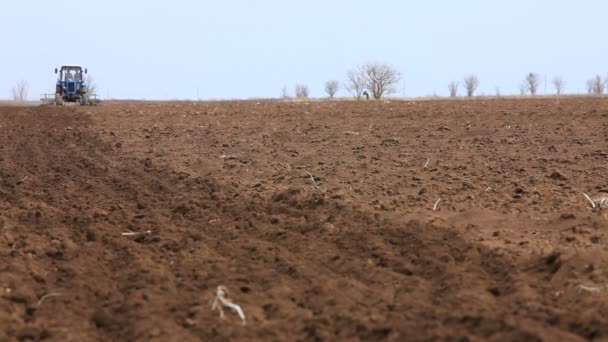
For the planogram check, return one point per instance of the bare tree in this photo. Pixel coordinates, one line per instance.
(522, 88)
(302, 91)
(284, 92)
(453, 87)
(532, 81)
(355, 82)
(381, 79)
(91, 85)
(331, 88)
(20, 91)
(471, 83)
(559, 84)
(589, 85)
(598, 84)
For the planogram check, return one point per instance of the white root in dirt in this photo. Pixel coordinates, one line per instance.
(148, 232)
(221, 300)
(428, 160)
(49, 295)
(436, 206)
(592, 289)
(598, 202)
(312, 178)
(590, 200)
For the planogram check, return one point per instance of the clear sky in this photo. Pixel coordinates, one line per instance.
(169, 49)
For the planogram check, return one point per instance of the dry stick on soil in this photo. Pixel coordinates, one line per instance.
(312, 179)
(592, 289)
(428, 160)
(436, 206)
(49, 295)
(598, 202)
(590, 200)
(149, 232)
(220, 301)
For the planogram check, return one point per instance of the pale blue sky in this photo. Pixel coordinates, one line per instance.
(242, 49)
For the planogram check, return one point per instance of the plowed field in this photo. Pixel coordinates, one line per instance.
(449, 220)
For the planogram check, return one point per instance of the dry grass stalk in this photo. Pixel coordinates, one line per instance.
(592, 288)
(312, 179)
(598, 202)
(436, 206)
(49, 295)
(149, 232)
(221, 300)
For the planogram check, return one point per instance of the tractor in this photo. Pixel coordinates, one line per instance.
(71, 86)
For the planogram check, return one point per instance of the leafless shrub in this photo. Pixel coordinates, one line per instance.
(355, 82)
(522, 88)
(381, 79)
(331, 88)
(91, 84)
(589, 85)
(302, 91)
(453, 87)
(558, 84)
(471, 83)
(378, 78)
(20, 91)
(284, 92)
(598, 84)
(532, 81)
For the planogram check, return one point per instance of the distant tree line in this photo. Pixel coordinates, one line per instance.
(377, 80)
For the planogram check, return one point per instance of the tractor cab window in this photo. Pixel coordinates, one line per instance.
(73, 75)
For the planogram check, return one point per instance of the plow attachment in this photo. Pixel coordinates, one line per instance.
(53, 99)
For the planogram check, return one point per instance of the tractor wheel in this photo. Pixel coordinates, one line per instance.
(58, 100)
(84, 100)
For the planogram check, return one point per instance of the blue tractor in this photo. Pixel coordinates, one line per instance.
(71, 86)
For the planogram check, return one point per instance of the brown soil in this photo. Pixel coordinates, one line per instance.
(226, 191)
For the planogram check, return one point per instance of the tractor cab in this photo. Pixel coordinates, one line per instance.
(71, 78)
